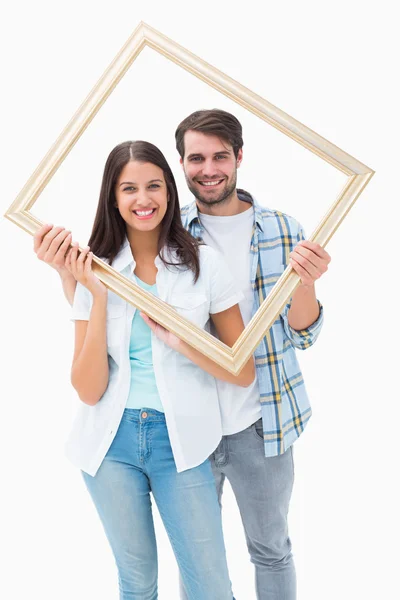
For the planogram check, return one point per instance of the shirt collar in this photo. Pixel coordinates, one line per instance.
(124, 258)
(193, 212)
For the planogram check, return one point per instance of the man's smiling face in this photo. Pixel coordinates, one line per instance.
(210, 167)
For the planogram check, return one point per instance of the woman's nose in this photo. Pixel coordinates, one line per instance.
(142, 199)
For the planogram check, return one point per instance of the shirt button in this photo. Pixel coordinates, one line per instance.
(144, 415)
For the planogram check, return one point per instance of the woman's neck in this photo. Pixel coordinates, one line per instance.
(144, 245)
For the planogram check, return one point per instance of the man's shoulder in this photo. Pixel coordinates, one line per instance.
(185, 209)
(279, 222)
(188, 211)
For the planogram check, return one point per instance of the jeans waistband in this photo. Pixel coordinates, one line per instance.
(143, 415)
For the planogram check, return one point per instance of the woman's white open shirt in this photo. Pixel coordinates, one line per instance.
(189, 394)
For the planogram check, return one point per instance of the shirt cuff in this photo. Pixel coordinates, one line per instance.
(303, 338)
(79, 317)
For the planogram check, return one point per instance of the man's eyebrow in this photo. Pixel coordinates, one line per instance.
(133, 183)
(227, 152)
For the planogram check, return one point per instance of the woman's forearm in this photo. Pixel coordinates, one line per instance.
(69, 285)
(90, 373)
(244, 378)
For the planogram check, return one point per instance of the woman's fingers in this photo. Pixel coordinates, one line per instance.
(43, 242)
(68, 260)
(73, 255)
(39, 236)
(51, 245)
(58, 249)
(80, 263)
(88, 264)
(56, 243)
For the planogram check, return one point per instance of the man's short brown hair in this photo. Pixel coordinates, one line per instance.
(211, 122)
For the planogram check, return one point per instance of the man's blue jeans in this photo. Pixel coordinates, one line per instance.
(262, 487)
(138, 462)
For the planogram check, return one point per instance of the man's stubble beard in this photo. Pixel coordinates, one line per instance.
(226, 194)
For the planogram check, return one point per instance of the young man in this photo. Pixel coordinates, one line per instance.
(260, 422)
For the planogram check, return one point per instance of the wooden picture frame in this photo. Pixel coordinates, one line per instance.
(232, 359)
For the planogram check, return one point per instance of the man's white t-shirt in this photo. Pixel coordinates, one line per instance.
(231, 236)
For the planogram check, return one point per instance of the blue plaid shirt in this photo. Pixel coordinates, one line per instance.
(285, 405)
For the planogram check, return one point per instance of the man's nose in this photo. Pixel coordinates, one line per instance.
(210, 169)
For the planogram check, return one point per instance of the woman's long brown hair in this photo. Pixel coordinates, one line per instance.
(109, 228)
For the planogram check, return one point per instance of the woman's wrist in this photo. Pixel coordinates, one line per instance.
(64, 274)
(99, 296)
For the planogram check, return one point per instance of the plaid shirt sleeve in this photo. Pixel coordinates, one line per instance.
(302, 338)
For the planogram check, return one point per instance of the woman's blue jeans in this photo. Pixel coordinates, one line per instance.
(138, 462)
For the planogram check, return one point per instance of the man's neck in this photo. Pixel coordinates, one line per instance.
(231, 206)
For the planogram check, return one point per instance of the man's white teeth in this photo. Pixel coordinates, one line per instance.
(144, 213)
(211, 182)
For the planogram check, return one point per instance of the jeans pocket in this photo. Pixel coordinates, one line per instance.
(258, 429)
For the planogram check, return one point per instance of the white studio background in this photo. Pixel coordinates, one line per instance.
(333, 67)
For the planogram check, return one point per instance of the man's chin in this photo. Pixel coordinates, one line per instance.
(207, 201)
(210, 199)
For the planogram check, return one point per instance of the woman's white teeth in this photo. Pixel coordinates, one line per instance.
(211, 182)
(144, 213)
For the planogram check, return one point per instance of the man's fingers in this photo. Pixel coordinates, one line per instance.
(305, 277)
(314, 271)
(304, 254)
(316, 248)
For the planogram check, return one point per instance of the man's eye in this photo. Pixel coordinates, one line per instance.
(220, 156)
(195, 159)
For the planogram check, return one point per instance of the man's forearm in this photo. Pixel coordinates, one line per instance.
(69, 285)
(304, 308)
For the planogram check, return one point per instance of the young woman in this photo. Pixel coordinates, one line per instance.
(149, 416)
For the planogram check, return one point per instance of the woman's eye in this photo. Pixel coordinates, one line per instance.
(154, 185)
(128, 189)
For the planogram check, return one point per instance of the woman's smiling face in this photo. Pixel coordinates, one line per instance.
(142, 196)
